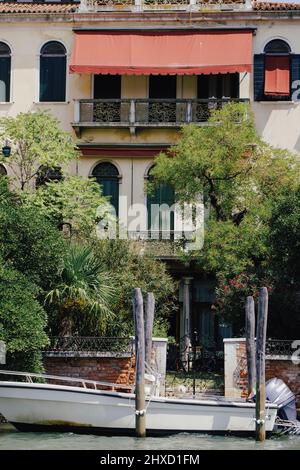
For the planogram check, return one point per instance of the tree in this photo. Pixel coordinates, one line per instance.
(284, 243)
(22, 320)
(36, 141)
(227, 162)
(83, 296)
(128, 270)
(73, 201)
(29, 241)
(240, 177)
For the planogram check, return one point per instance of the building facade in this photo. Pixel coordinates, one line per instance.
(123, 76)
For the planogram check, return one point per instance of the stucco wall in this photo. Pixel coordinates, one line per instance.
(277, 122)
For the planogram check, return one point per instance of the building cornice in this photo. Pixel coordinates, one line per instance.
(159, 18)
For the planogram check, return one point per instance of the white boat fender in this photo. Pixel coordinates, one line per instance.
(140, 412)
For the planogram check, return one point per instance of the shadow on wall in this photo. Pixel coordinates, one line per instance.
(278, 123)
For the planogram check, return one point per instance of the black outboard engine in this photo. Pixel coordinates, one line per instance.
(278, 392)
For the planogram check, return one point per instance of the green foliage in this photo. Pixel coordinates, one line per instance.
(284, 237)
(28, 240)
(22, 320)
(83, 294)
(284, 245)
(227, 162)
(130, 270)
(250, 231)
(36, 140)
(73, 200)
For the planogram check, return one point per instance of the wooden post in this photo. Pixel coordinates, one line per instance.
(140, 413)
(250, 344)
(149, 318)
(261, 334)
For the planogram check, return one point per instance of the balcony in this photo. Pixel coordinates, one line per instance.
(162, 244)
(141, 113)
(159, 5)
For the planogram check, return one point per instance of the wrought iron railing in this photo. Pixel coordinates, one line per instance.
(146, 112)
(276, 347)
(141, 5)
(161, 243)
(91, 344)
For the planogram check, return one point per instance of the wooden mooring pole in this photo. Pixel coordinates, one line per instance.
(149, 318)
(250, 344)
(140, 413)
(261, 334)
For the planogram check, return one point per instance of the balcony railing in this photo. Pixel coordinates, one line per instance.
(161, 243)
(146, 112)
(150, 5)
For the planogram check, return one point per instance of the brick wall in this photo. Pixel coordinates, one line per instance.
(119, 370)
(236, 369)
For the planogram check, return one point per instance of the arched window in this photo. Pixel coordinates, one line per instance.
(275, 71)
(5, 66)
(3, 171)
(46, 174)
(53, 61)
(277, 46)
(160, 200)
(108, 176)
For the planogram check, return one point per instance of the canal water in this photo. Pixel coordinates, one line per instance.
(12, 440)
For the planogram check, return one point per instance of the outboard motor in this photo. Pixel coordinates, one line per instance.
(278, 392)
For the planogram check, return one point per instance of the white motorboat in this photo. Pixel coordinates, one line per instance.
(84, 408)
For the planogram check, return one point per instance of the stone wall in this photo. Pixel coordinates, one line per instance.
(235, 369)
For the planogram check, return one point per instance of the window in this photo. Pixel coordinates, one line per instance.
(162, 96)
(53, 61)
(275, 72)
(107, 176)
(5, 66)
(218, 86)
(159, 201)
(46, 174)
(107, 87)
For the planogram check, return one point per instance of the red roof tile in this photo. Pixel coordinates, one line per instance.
(275, 6)
(18, 7)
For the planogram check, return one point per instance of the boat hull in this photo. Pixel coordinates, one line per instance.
(58, 408)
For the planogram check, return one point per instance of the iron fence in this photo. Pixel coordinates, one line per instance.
(91, 344)
(276, 347)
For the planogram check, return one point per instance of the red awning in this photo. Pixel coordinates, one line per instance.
(166, 53)
(277, 75)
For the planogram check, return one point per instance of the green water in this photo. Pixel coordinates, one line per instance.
(11, 439)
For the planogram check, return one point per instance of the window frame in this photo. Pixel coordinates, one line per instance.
(117, 178)
(9, 94)
(289, 54)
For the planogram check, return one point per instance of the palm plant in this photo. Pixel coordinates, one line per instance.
(84, 293)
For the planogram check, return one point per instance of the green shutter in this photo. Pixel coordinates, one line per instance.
(259, 76)
(110, 189)
(162, 194)
(5, 63)
(52, 78)
(295, 73)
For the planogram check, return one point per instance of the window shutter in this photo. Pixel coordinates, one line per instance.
(52, 78)
(258, 76)
(295, 73)
(5, 63)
